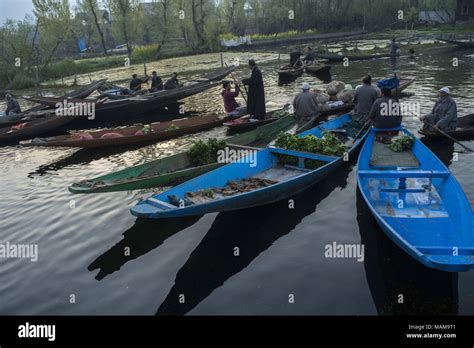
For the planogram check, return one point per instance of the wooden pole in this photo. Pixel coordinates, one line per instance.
(222, 60)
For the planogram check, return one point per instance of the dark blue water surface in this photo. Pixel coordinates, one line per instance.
(82, 249)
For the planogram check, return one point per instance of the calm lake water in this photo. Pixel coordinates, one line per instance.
(82, 249)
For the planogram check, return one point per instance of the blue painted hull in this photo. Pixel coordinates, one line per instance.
(426, 214)
(266, 159)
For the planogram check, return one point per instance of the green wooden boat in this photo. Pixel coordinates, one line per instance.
(178, 168)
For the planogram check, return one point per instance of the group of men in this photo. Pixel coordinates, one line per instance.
(156, 83)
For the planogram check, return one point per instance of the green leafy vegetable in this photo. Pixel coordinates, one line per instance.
(402, 143)
(202, 152)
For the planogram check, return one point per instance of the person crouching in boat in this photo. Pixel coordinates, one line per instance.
(385, 113)
(156, 82)
(365, 96)
(444, 115)
(12, 105)
(310, 57)
(173, 82)
(256, 93)
(306, 105)
(231, 107)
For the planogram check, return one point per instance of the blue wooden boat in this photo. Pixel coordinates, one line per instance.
(286, 180)
(418, 203)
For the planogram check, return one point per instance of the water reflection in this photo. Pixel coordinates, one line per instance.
(443, 148)
(252, 231)
(393, 276)
(143, 237)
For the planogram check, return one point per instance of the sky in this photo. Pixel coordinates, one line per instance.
(18, 9)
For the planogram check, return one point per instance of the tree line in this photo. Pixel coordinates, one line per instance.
(53, 31)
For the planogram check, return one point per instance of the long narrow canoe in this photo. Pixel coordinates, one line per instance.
(275, 181)
(31, 129)
(30, 114)
(332, 57)
(464, 130)
(418, 203)
(132, 135)
(177, 168)
(288, 71)
(459, 43)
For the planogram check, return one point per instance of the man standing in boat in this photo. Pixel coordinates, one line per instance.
(394, 48)
(231, 106)
(256, 92)
(156, 82)
(444, 115)
(173, 82)
(12, 105)
(306, 104)
(364, 98)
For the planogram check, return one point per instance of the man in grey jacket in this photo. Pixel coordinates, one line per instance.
(306, 104)
(364, 98)
(444, 115)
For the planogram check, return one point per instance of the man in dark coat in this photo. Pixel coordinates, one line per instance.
(173, 82)
(12, 106)
(136, 83)
(444, 115)
(256, 97)
(156, 82)
(386, 112)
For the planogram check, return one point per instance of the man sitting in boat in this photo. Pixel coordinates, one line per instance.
(12, 105)
(365, 96)
(385, 112)
(136, 83)
(394, 48)
(256, 93)
(231, 106)
(309, 58)
(306, 104)
(444, 115)
(173, 82)
(156, 82)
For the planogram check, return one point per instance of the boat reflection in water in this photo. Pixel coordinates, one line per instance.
(253, 231)
(399, 284)
(141, 238)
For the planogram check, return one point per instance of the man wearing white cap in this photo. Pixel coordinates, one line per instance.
(306, 104)
(444, 115)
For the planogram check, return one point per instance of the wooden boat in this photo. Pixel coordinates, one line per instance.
(115, 110)
(158, 131)
(218, 74)
(31, 129)
(333, 57)
(51, 102)
(177, 168)
(464, 130)
(30, 114)
(418, 204)
(279, 181)
(288, 71)
(317, 68)
(459, 43)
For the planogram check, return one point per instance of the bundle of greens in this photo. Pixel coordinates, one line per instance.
(402, 143)
(202, 152)
(282, 113)
(328, 144)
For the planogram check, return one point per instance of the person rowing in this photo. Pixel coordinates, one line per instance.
(173, 82)
(256, 96)
(136, 83)
(444, 115)
(156, 82)
(306, 104)
(12, 105)
(231, 106)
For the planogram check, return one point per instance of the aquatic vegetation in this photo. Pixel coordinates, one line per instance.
(202, 152)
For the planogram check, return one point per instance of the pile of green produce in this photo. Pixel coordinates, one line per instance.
(202, 152)
(329, 144)
(402, 143)
(282, 113)
(172, 127)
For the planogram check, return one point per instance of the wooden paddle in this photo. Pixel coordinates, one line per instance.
(447, 135)
(361, 130)
(237, 84)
